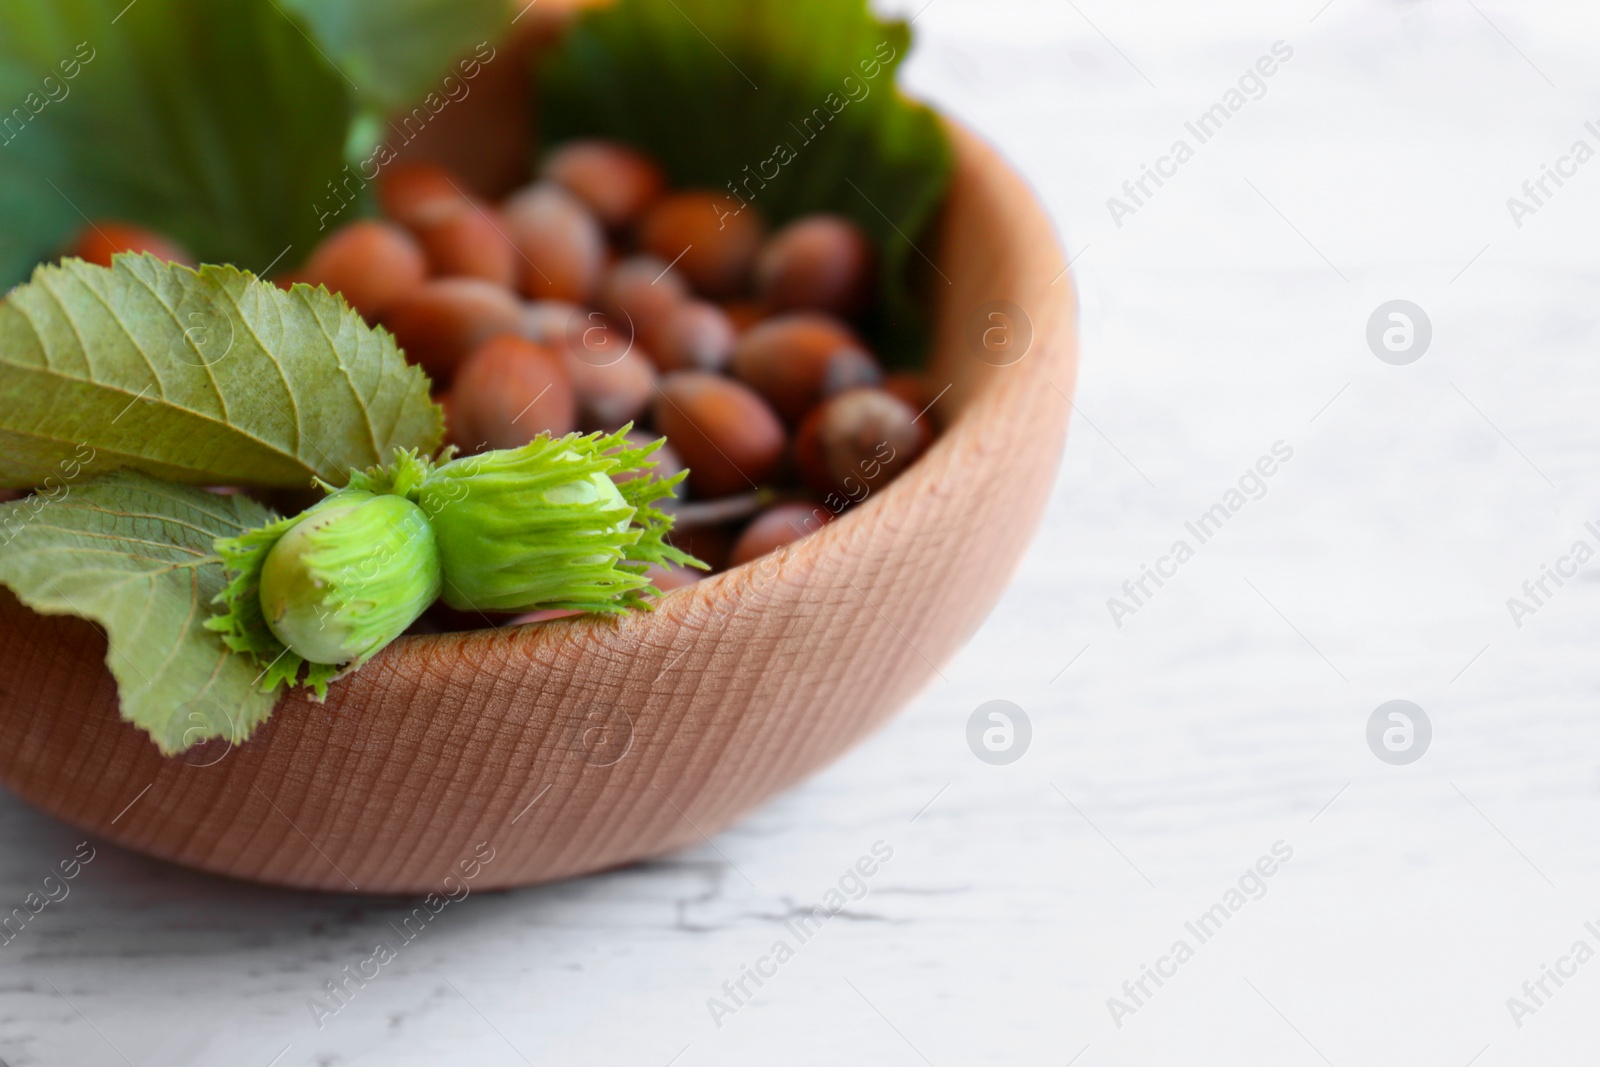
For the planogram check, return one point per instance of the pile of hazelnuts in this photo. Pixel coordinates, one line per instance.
(595, 296)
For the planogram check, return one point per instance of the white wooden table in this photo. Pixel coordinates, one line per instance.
(1226, 715)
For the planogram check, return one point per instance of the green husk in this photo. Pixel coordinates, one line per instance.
(514, 536)
(243, 625)
(541, 526)
(343, 583)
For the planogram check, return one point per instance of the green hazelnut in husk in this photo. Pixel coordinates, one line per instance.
(316, 595)
(350, 577)
(546, 526)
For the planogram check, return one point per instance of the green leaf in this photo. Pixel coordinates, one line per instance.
(712, 87)
(216, 122)
(208, 377)
(135, 555)
(397, 51)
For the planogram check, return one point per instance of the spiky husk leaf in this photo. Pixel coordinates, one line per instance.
(242, 623)
(518, 532)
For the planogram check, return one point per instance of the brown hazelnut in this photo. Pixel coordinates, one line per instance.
(797, 360)
(711, 238)
(99, 241)
(817, 263)
(616, 182)
(727, 435)
(562, 249)
(464, 239)
(509, 392)
(695, 336)
(410, 191)
(373, 264)
(441, 322)
(857, 442)
(780, 525)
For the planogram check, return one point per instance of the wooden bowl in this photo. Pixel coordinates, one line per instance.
(577, 745)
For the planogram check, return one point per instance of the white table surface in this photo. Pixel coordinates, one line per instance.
(1229, 713)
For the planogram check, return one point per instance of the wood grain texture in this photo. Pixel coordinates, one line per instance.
(735, 688)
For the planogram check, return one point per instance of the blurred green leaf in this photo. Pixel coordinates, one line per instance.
(397, 51)
(216, 122)
(724, 92)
